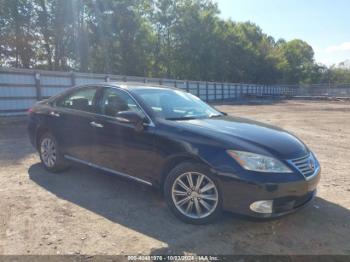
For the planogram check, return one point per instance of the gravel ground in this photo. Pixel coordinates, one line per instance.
(84, 211)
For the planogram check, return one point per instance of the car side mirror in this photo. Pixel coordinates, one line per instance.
(131, 117)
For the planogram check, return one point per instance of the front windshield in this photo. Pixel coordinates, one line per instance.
(173, 104)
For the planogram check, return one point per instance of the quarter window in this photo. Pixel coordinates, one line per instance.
(82, 100)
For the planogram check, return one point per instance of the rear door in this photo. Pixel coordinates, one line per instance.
(72, 120)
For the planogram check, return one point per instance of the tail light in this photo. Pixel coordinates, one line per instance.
(30, 111)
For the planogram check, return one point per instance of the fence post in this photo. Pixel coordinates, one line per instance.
(206, 92)
(37, 85)
(236, 91)
(187, 86)
(175, 84)
(222, 92)
(160, 81)
(73, 79)
(198, 94)
(214, 91)
(106, 78)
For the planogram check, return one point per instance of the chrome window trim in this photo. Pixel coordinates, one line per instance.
(151, 123)
(108, 170)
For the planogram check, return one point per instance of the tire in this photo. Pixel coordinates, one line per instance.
(50, 154)
(184, 200)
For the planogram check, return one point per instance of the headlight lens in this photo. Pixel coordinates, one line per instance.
(259, 163)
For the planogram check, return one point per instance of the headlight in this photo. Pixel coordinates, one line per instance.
(259, 163)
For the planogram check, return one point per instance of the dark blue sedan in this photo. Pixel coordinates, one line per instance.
(203, 160)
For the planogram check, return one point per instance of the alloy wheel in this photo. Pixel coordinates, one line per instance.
(195, 195)
(48, 151)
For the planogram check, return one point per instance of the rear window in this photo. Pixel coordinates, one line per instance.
(82, 100)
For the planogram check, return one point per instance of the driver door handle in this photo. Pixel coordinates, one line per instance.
(53, 113)
(94, 124)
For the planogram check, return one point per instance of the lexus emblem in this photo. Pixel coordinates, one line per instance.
(311, 164)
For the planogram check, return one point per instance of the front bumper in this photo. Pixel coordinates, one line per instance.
(287, 197)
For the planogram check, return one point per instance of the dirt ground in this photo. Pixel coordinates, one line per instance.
(84, 211)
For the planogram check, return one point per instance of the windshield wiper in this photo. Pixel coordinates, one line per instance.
(181, 118)
(215, 115)
(193, 117)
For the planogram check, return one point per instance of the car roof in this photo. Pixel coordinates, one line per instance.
(138, 85)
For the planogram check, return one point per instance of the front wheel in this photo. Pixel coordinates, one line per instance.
(50, 154)
(192, 193)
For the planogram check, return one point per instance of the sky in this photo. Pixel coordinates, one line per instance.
(324, 24)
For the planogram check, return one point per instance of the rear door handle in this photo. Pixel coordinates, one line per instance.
(53, 113)
(94, 124)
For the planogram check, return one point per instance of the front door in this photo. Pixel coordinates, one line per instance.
(118, 145)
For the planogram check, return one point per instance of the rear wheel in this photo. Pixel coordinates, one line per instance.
(192, 193)
(50, 155)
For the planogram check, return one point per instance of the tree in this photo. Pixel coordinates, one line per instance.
(17, 33)
(339, 74)
(295, 61)
(184, 39)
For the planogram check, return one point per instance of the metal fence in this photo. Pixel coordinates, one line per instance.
(21, 88)
(324, 90)
(321, 90)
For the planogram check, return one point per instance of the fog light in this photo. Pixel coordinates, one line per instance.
(263, 206)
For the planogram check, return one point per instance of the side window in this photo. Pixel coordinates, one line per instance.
(82, 99)
(115, 101)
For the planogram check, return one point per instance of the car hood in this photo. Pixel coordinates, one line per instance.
(275, 140)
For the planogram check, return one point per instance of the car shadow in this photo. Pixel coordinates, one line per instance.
(323, 227)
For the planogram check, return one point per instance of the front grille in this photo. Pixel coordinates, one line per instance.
(306, 165)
